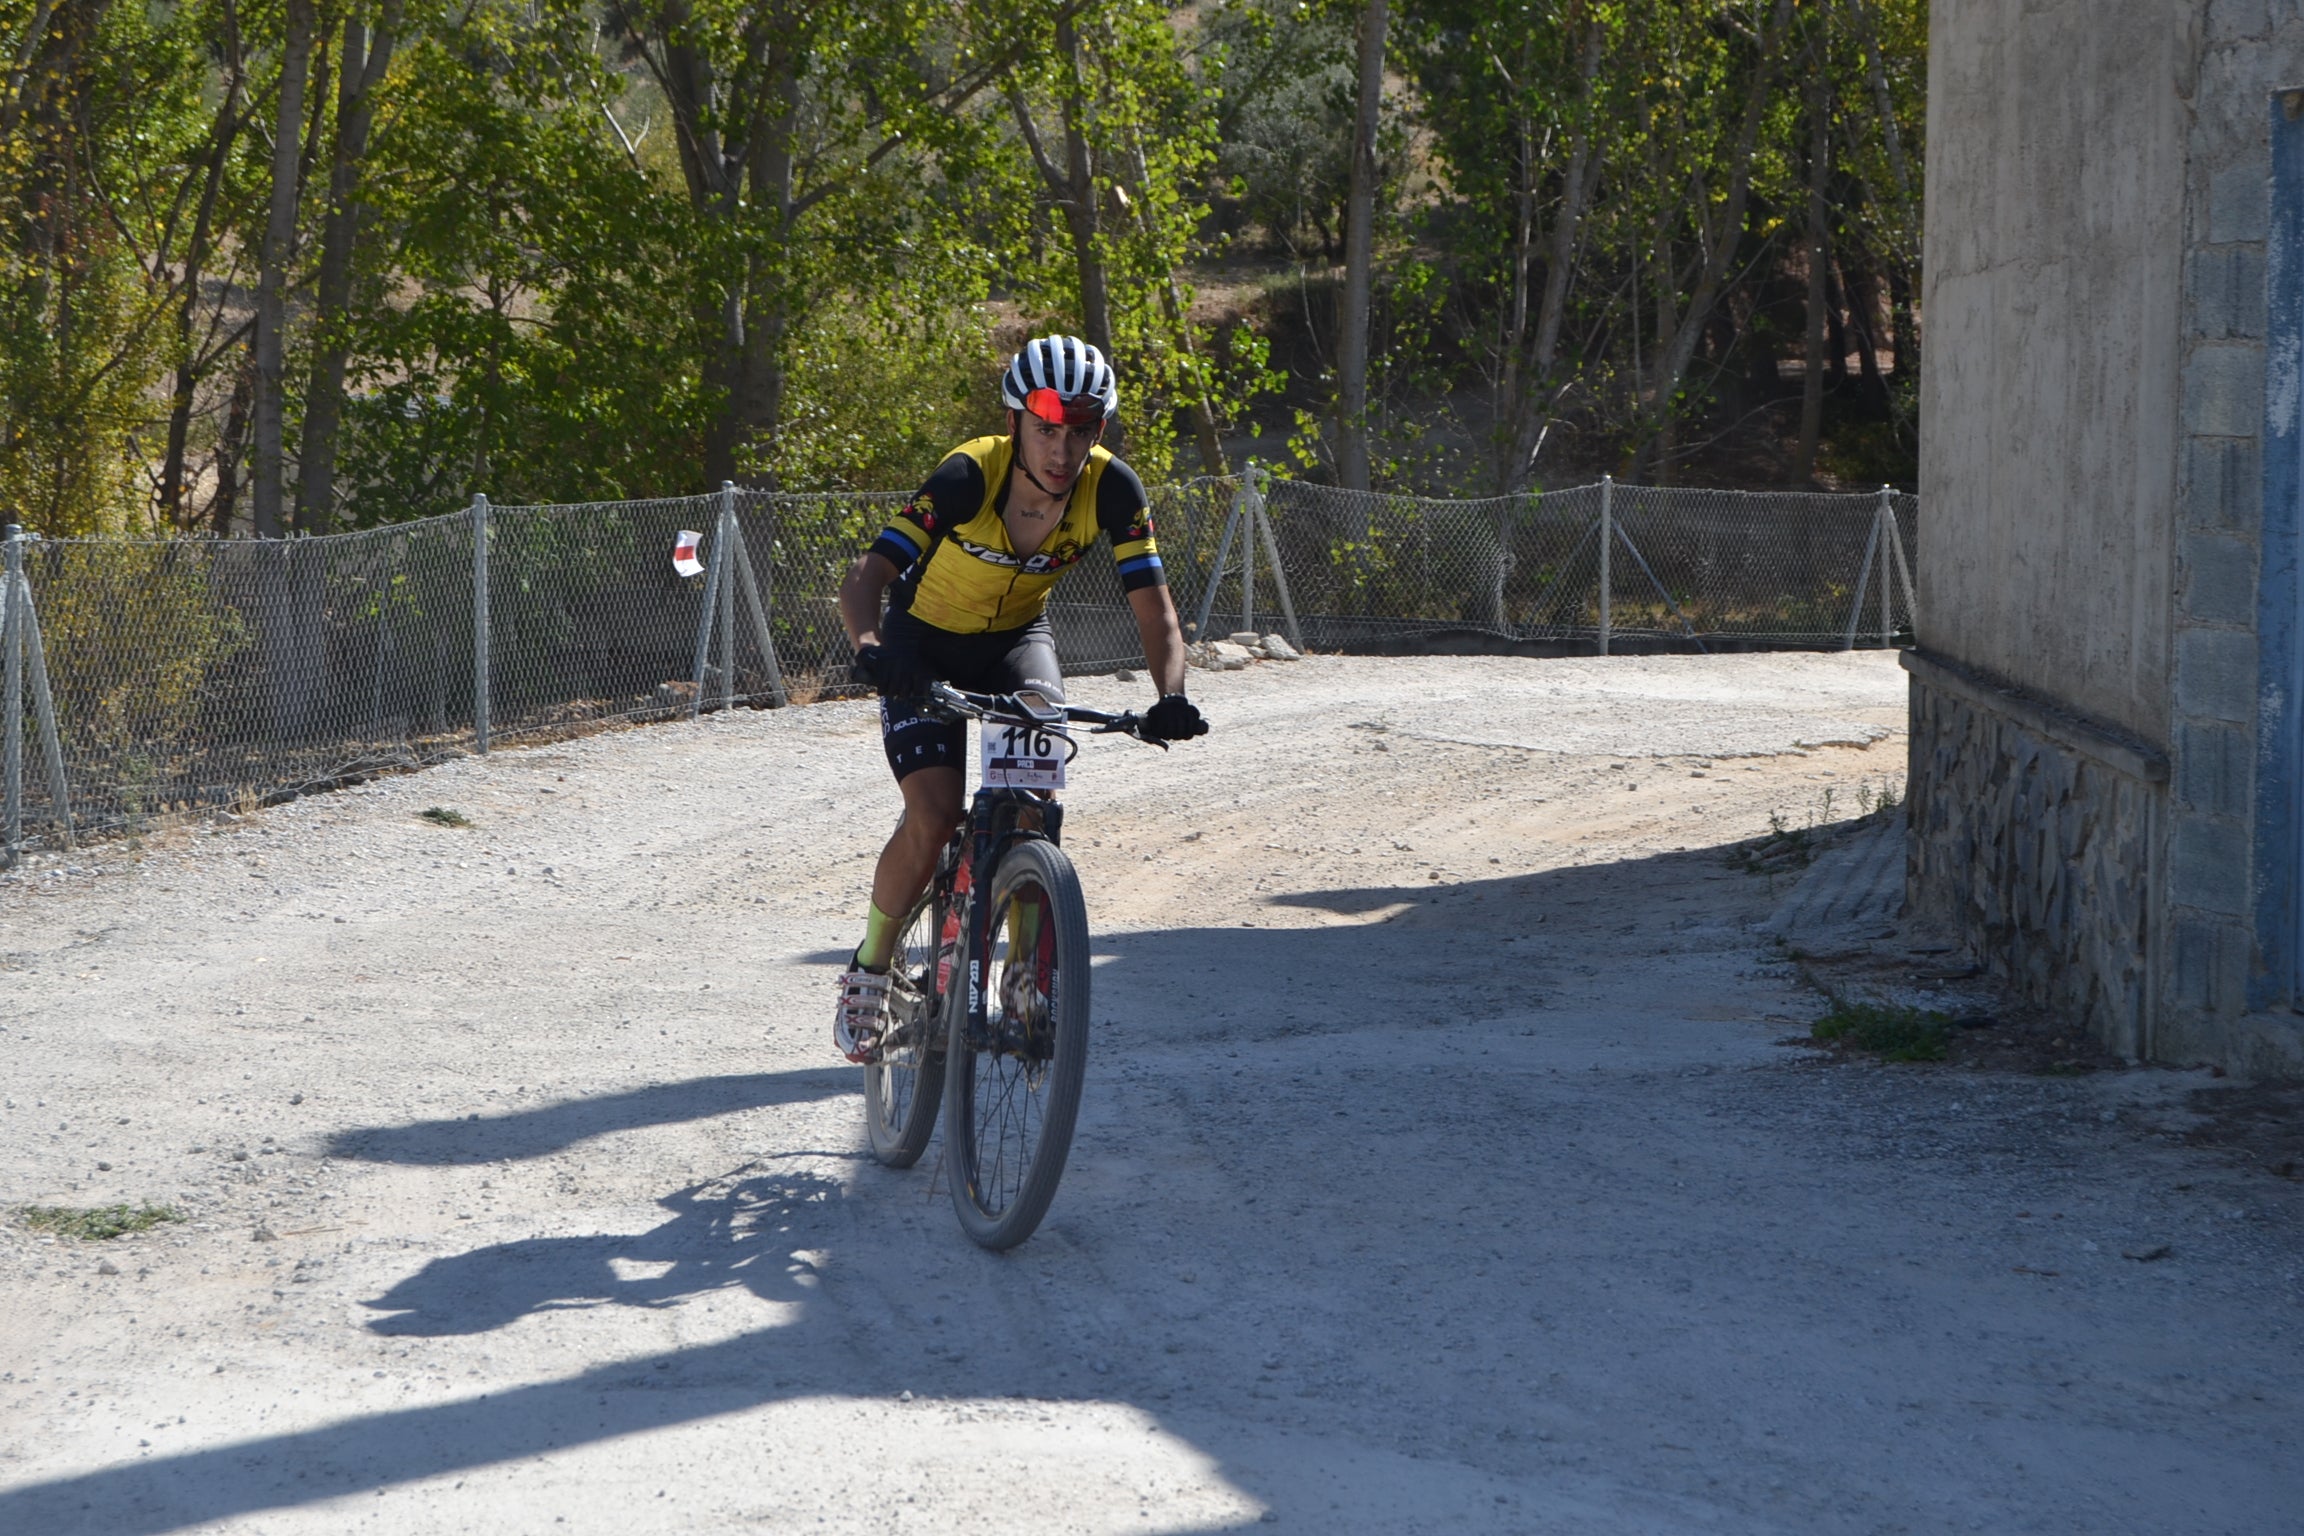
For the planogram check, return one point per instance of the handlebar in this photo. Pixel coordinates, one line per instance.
(1009, 709)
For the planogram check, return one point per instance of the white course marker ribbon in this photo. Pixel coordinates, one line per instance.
(684, 553)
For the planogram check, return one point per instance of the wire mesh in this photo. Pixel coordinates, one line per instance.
(194, 674)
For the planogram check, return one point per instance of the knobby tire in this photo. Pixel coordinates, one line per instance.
(904, 1088)
(1012, 1095)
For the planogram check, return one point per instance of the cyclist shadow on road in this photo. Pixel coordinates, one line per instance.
(542, 1129)
(722, 1233)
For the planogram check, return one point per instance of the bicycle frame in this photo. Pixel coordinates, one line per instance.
(999, 818)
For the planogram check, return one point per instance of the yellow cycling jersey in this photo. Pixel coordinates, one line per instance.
(961, 573)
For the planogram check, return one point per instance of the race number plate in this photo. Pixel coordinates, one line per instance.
(1023, 757)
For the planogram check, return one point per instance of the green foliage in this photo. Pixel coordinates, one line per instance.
(878, 394)
(1893, 1032)
(145, 630)
(106, 115)
(96, 1224)
(609, 251)
(1284, 82)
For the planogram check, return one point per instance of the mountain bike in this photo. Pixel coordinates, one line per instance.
(988, 994)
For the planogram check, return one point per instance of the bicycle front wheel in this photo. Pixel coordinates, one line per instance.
(904, 1084)
(1012, 1085)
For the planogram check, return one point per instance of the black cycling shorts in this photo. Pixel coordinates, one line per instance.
(996, 661)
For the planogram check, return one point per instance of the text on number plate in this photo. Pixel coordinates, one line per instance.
(1023, 757)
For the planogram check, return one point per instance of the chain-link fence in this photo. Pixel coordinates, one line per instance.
(1595, 566)
(189, 674)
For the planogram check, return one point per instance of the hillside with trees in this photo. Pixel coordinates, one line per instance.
(295, 266)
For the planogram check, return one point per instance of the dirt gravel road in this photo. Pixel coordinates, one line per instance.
(1444, 1167)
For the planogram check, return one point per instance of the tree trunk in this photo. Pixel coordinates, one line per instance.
(1531, 392)
(1863, 290)
(1082, 207)
(21, 82)
(230, 447)
(1359, 259)
(1812, 355)
(767, 311)
(272, 270)
(365, 60)
(1072, 188)
(1172, 306)
(1837, 305)
(188, 366)
(1676, 343)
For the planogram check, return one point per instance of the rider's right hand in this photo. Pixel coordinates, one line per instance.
(890, 673)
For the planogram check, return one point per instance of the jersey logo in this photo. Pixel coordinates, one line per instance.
(1054, 559)
(922, 510)
(985, 553)
(1059, 555)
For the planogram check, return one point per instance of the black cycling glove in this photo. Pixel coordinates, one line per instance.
(892, 674)
(1174, 718)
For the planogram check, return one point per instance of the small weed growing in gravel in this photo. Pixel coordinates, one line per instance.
(1882, 802)
(1784, 849)
(96, 1223)
(445, 817)
(1894, 1033)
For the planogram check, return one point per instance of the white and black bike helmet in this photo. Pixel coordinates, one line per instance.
(1061, 379)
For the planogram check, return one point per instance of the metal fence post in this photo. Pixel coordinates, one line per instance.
(777, 694)
(727, 536)
(1887, 593)
(43, 704)
(1254, 480)
(1223, 555)
(1903, 568)
(714, 575)
(12, 639)
(480, 683)
(1248, 561)
(1863, 585)
(1607, 540)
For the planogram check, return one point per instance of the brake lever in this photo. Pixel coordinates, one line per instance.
(1129, 725)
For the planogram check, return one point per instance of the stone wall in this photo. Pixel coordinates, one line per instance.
(2049, 396)
(2032, 837)
(2102, 565)
(2223, 860)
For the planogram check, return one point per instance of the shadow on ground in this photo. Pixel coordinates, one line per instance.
(1336, 1183)
(556, 1126)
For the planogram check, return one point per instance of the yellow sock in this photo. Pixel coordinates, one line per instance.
(1023, 930)
(879, 946)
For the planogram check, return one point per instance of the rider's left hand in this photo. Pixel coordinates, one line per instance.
(1174, 718)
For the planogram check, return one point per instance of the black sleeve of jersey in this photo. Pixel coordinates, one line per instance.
(1125, 514)
(946, 499)
(1121, 505)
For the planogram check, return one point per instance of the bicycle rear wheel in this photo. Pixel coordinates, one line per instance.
(1012, 1087)
(904, 1086)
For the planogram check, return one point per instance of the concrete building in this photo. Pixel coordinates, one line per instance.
(2106, 693)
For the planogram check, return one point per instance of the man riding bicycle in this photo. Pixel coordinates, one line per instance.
(965, 570)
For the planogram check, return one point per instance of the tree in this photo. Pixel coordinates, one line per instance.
(285, 197)
(1514, 100)
(1137, 136)
(1359, 257)
(367, 54)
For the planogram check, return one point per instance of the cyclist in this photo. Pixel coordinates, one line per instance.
(965, 569)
